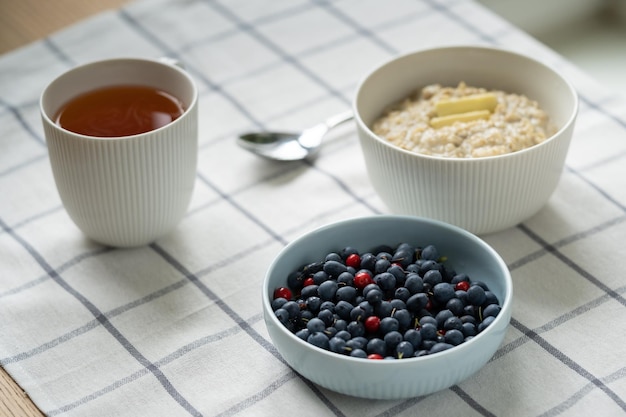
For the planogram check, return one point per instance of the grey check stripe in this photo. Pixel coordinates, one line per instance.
(104, 322)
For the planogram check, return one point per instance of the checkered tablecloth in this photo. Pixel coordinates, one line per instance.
(175, 328)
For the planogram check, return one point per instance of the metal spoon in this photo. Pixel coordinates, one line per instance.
(290, 146)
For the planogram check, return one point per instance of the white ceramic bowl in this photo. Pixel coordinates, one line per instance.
(390, 379)
(482, 195)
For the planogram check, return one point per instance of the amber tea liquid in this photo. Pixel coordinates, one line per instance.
(119, 111)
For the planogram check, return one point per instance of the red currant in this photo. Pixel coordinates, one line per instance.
(308, 281)
(372, 324)
(462, 286)
(353, 260)
(282, 292)
(362, 279)
(374, 356)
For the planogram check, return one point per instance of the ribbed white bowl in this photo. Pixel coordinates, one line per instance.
(481, 195)
(390, 379)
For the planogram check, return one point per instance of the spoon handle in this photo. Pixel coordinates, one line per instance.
(339, 119)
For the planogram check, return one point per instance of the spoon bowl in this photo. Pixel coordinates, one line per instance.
(285, 146)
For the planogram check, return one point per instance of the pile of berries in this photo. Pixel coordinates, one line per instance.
(389, 303)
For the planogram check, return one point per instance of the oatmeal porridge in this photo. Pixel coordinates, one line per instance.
(464, 122)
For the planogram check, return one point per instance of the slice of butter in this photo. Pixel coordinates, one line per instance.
(438, 122)
(486, 101)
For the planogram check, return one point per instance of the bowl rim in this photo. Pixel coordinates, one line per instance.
(462, 47)
(504, 315)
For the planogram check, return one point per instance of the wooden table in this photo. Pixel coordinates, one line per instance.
(22, 22)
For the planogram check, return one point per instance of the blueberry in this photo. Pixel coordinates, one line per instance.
(452, 323)
(356, 343)
(392, 339)
(442, 316)
(356, 328)
(334, 268)
(358, 314)
(328, 305)
(340, 324)
(282, 315)
(343, 309)
(485, 323)
(398, 273)
(402, 293)
(316, 325)
(382, 265)
(413, 337)
(344, 334)
(293, 308)
(295, 280)
(456, 306)
(440, 347)
(303, 334)
(327, 290)
(346, 278)
(442, 292)
(414, 283)
(346, 294)
(374, 296)
(313, 303)
(429, 253)
(305, 315)
(458, 278)
(454, 337)
(319, 277)
(383, 309)
(426, 266)
(404, 349)
(428, 344)
(469, 329)
(428, 331)
(376, 345)
(368, 261)
(403, 257)
(309, 291)
(337, 345)
(318, 339)
(428, 320)
(347, 251)
(432, 277)
(333, 256)
(388, 324)
(358, 353)
(461, 295)
(330, 332)
(491, 310)
(481, 285)
(404, 318)
(476, 295)
(490, 298)
(417, 302)
(385, 280)
(278, 303)
(397, 304)
(327, 316)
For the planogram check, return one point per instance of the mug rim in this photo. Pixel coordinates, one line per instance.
(166, 63)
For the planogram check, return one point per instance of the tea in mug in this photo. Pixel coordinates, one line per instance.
(116, 111)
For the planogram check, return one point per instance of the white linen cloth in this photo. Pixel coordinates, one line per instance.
(175, 328)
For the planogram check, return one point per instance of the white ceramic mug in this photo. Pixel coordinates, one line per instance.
(124, 191)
